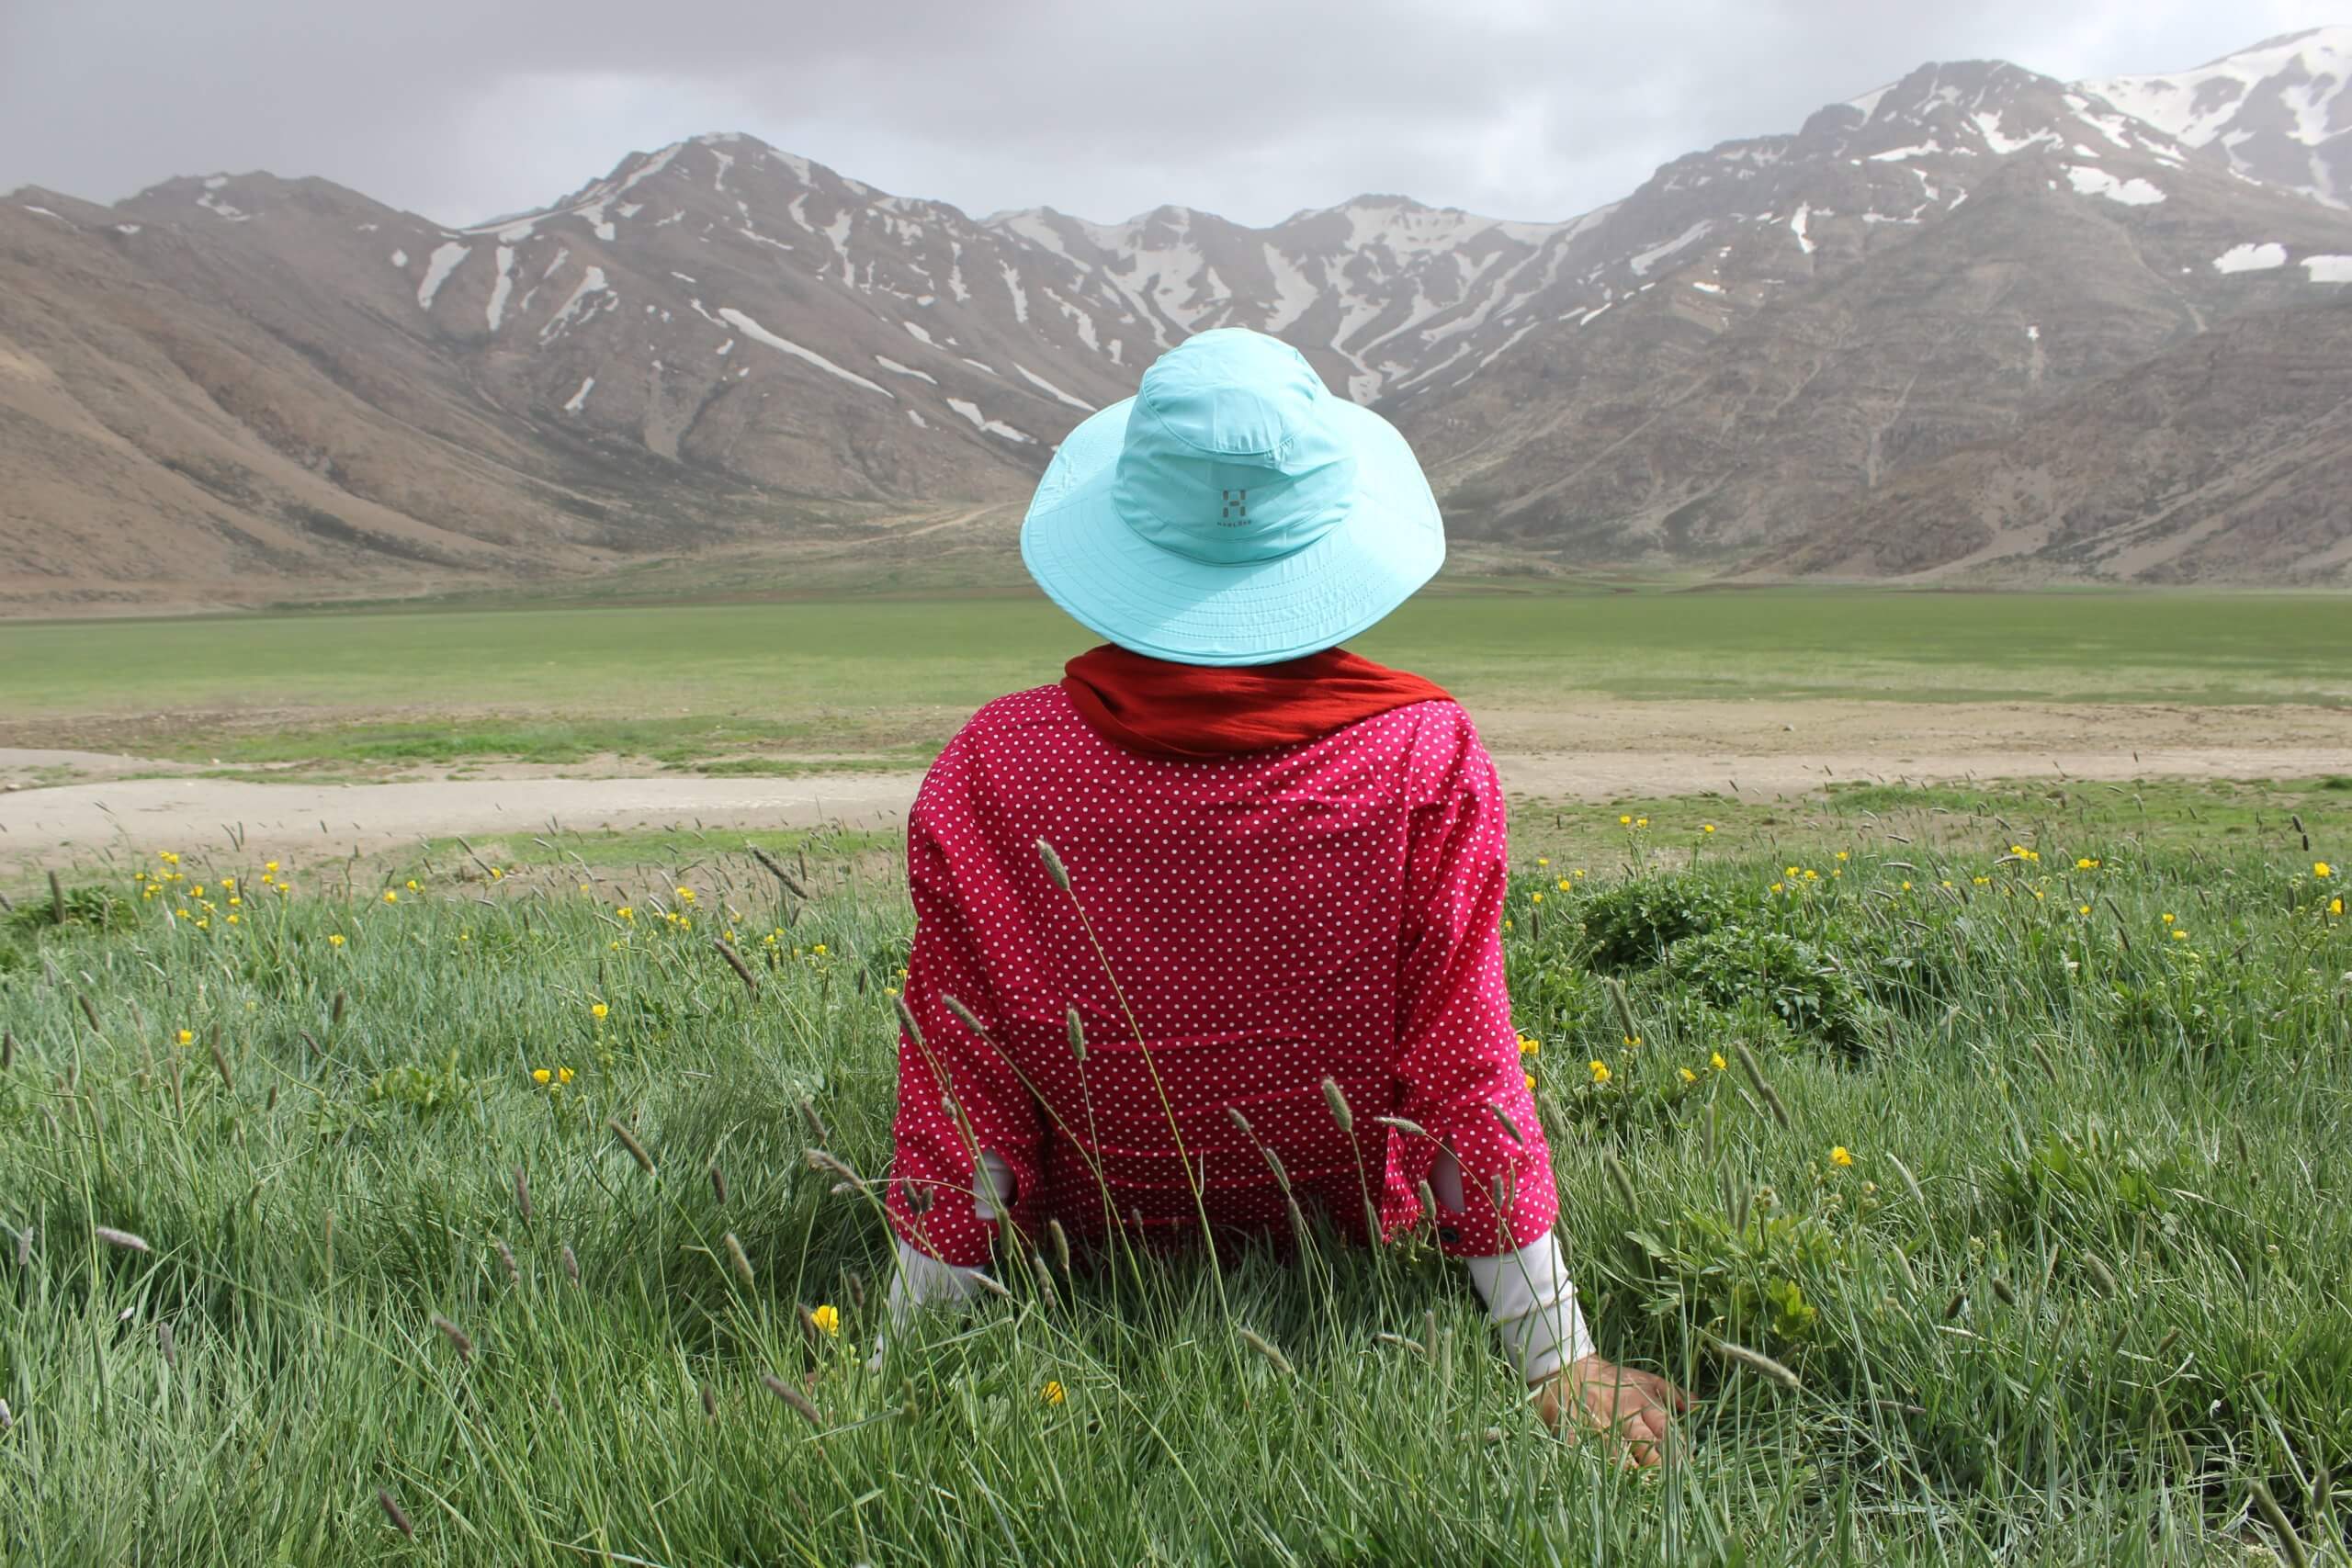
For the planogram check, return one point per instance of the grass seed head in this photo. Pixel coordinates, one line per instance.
(123, 1239)
(458, 1338)
(825, 1159)
(1756, 1361)
(816, 1122)
(1509, 1126)
(907, 1021)
(1623, 1181)
(522, 1194)
(2289, 1544)
(1280, 1362)
(737, 1258)
(1410, 1129)
(571, 1264)
(1077, 1027)
(1061, 1244)
(506, 1256)
(393, 1512)
(799, 1402)
(1338, 1102)
(1054, 867)
(710, 1404)
(1233, 1115)
(964, 1015)
(628, 1141)
(167, 1342)
(719, 1180)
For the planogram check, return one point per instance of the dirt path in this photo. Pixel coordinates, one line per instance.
(1631, 750)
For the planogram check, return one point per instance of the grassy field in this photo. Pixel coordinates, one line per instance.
(2081, 1296)
(830, 677)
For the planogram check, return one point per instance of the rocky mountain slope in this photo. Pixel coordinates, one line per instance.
(237, 389)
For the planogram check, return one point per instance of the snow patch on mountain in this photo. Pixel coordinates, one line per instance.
(971, 411)
(438, 269)
(2251, 258)
(2090, 181)
(758, 333)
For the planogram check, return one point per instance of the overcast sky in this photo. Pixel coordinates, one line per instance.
(462, 110)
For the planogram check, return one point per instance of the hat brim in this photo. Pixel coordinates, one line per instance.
(1131, 592)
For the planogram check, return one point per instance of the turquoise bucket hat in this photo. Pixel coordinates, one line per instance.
(1233, 511)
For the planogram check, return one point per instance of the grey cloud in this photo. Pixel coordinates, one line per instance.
(1252, 109)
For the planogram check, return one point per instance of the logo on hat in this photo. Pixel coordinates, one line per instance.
(1235, 513)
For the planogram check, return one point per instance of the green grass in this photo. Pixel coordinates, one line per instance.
(2115, 1299)
(687, 682)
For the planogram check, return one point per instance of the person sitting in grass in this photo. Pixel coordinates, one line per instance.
(1211, 928)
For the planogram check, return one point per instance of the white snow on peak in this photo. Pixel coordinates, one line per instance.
(2251, 257)
(920, 424)
(1651, 257)
(758, 333)
(1895, 155)
(920, 332)
(1049, 389)
(517, 233)
(2284, 92)
(400, 258)
(1797, 222)
(126, 227)
(583, 298)
(438, 269)
(2328, 269)
(992, 427)
(214, 204)
(1988, 126)
(895, 368)
(573, 403)
(214, 182)
(45, 213)
(1020, 295)
(2098, 182)
(504, 286)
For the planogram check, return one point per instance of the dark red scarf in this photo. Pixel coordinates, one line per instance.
(1165, 710)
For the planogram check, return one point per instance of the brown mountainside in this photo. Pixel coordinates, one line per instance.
(238, 388)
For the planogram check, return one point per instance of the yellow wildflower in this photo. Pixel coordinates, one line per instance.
(1840, 1155)
(1841, 854)
(271, 868)
(1716, 1060)
(2167, 919)
(2321, 868)
(625, 913)
(563, 1075)
(2336, 905)
(391, 896)
(1625, 822)
(1530, 1046)
(828, 1319)
(1688, 1076)
(1599, 1069)
(1536, 898)
(820, 950)
(2083, 909)
(2179, 934)
(1052, 1392)
(685, 895)
(187, 1036)
(598, 1010)
(540, 1075)
(1641, 821)
(413, 886)
(1543, 860)
(336, 941)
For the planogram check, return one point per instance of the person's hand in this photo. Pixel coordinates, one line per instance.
(1632, 1412)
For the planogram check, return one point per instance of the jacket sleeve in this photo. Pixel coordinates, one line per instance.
(1459, 1062)
(958, 1094)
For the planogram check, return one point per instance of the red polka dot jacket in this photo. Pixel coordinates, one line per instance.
(1265, 920)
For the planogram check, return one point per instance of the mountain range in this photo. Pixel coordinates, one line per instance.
(1976, 325)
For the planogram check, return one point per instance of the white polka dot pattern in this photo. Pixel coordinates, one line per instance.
(1270, 919)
